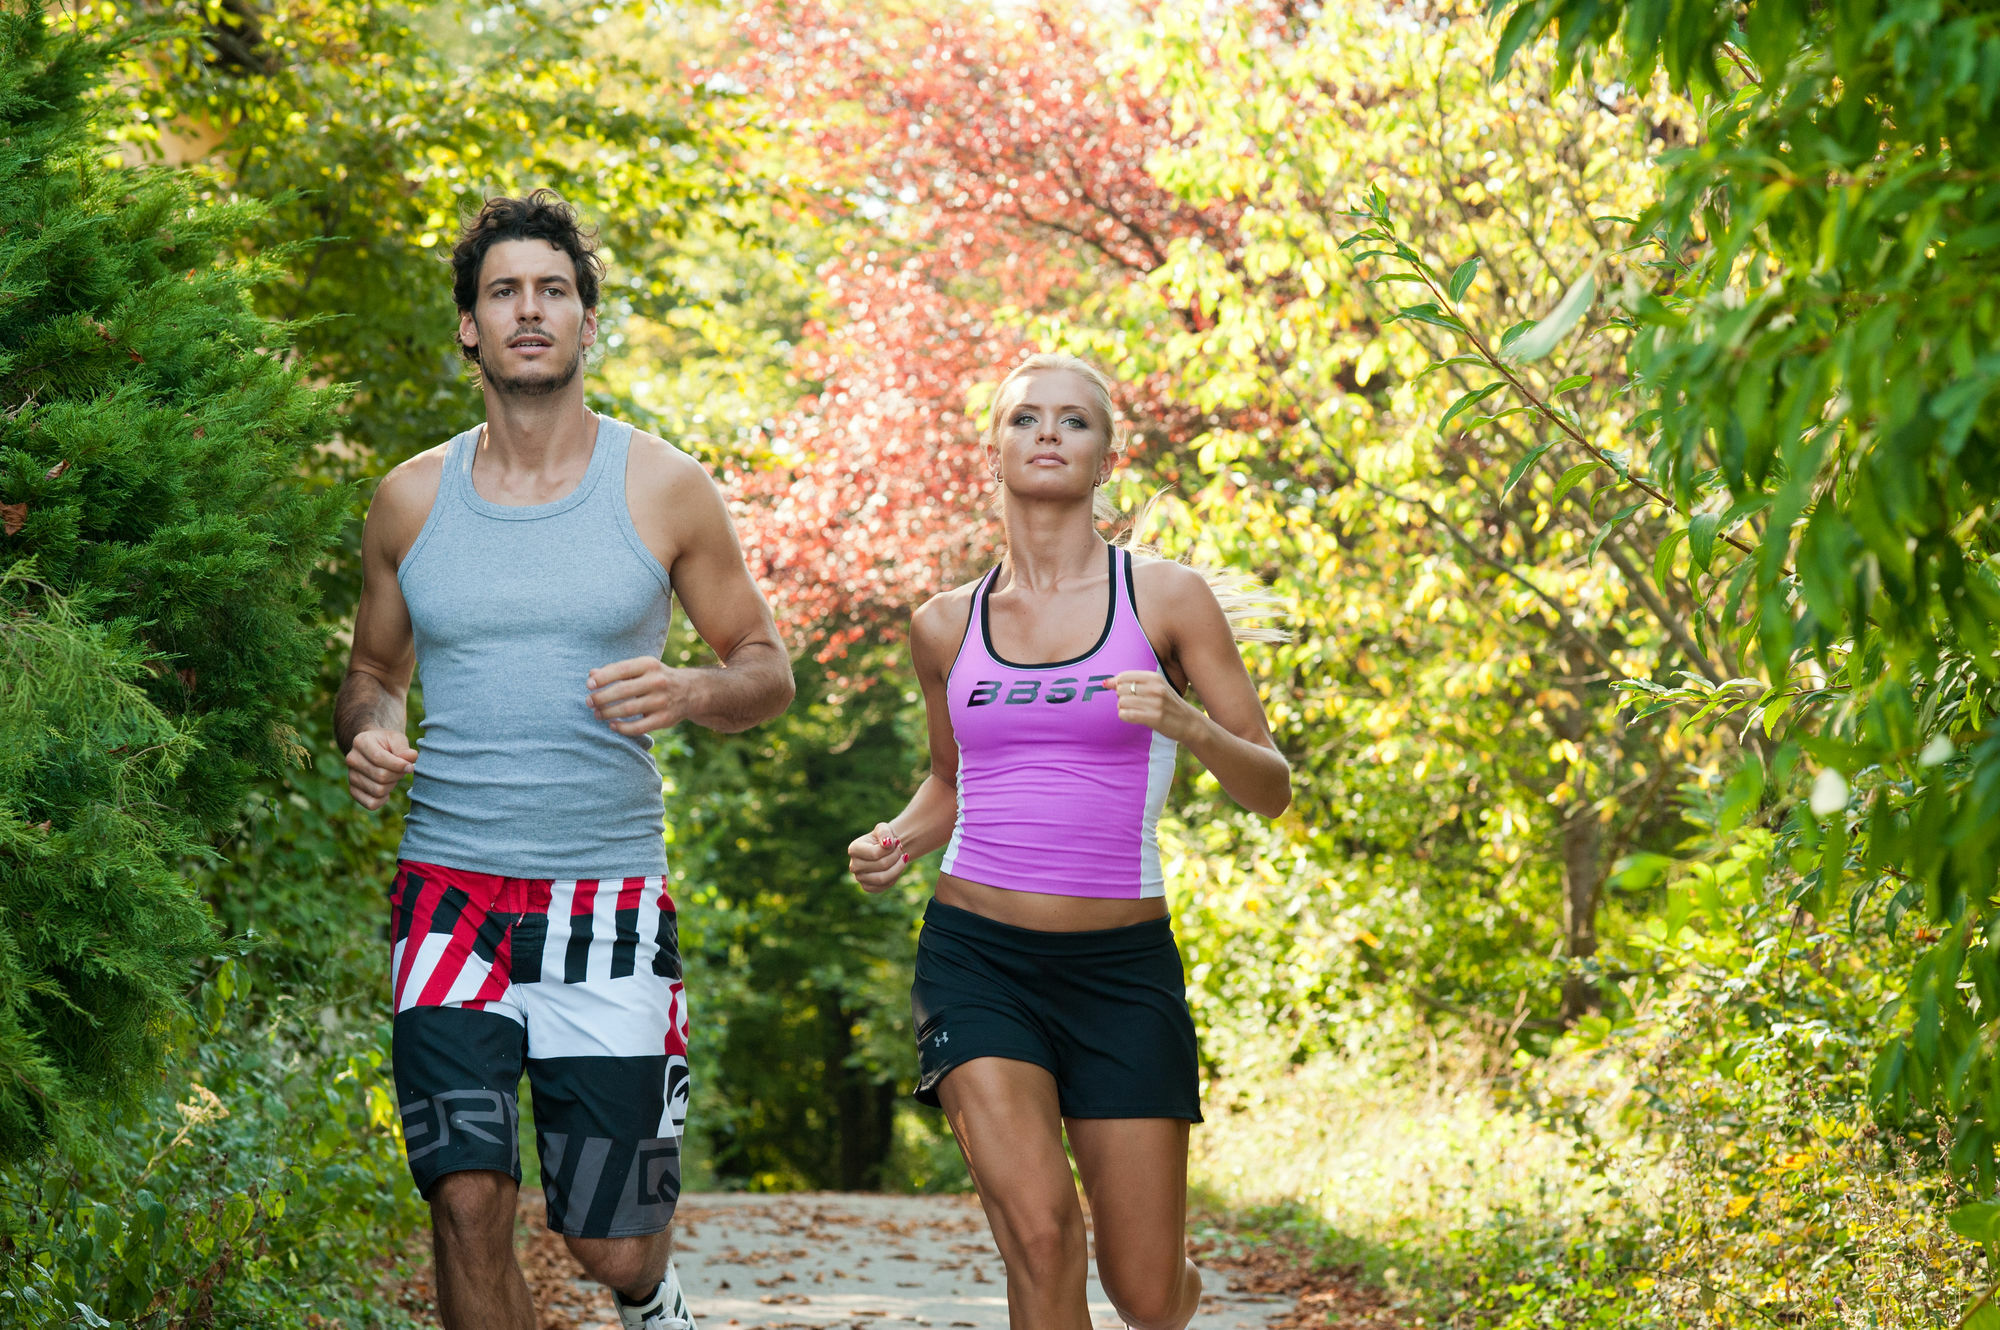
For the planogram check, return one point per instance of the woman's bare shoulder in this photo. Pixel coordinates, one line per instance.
(1170, 586)
(939, 624)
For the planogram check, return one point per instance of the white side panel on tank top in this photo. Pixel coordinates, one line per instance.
(1159, 778)
(957, 826)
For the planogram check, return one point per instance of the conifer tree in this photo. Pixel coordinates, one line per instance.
(155, 546)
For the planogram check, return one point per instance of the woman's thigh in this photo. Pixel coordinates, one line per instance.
(1135, 1173)
(1005, 1116)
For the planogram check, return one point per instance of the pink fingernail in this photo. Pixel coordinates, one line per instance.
(906, 858)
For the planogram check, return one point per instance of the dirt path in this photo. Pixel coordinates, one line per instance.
(866, 1262)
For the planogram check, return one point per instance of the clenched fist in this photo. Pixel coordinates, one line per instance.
(640, 695)
(376, 764)
(877, 859)
(1146, 698)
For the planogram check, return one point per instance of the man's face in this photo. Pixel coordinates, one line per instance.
(527, 321)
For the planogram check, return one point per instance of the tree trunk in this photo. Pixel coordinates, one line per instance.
(864, 1108)
(1583, 875)
(1582, 881)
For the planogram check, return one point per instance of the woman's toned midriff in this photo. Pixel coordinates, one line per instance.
(1047, 914)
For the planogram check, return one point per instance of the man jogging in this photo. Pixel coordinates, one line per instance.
(525, 569)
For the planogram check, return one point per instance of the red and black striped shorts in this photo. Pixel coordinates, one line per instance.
(579, 983)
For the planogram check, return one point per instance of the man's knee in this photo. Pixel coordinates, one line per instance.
(630, 1265)
(474, 1208)
(473, 1201)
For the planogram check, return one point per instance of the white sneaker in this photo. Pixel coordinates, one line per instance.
(668, 1309)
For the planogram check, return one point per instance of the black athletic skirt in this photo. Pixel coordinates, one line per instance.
(1104, 1011)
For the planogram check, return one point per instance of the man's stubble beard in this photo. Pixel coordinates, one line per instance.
(527, 387)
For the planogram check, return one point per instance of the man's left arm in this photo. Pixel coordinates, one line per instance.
(754, 681)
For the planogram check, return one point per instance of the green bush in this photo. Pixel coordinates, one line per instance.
(261, 1183)
(156, 553)
(96, 930)
(1812, 339)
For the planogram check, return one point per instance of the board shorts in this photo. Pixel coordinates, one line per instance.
(578, 983)
(1103, 1011)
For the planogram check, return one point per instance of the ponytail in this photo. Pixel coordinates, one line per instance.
(1254, 612)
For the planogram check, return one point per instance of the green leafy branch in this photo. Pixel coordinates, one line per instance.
(1519, 345)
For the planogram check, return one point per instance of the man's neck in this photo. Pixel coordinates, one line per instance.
(537, 433)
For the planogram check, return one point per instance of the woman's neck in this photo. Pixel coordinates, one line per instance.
(1049, 543)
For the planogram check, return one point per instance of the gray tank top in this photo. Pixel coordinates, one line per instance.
(512, 608)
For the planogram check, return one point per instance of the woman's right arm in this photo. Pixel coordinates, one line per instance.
(878, 858)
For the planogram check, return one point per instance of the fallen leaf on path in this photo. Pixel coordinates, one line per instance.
(1323, 1298)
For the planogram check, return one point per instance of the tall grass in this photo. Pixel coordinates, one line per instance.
(1492, 1200)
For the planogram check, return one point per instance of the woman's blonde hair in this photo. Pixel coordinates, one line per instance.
(1248, 604)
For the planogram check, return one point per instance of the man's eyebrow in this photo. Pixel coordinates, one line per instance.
(539, 281)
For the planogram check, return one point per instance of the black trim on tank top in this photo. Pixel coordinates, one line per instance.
(978, 600)
(1110, 614)
(1132, 598)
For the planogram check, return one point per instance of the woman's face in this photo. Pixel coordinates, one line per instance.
(1053, 440)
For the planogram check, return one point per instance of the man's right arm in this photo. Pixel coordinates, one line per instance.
(370, 716)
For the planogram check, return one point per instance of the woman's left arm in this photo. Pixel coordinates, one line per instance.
(1232, 739)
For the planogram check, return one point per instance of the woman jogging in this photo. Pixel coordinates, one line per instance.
(1048, 994)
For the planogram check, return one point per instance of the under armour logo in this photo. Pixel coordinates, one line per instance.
(941, 1040)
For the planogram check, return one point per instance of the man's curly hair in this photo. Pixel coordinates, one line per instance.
(542, 215)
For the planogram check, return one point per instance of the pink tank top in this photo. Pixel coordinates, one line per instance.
(1055, 793)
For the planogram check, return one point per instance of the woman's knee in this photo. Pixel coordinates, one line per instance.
(1162, 1298)
(1045, 1239)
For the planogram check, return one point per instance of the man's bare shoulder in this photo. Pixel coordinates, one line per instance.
(656, 470)
(404, 498)
(676, 507)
